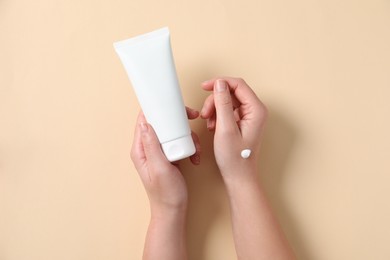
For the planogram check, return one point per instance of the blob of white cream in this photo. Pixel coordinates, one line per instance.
(246, 153)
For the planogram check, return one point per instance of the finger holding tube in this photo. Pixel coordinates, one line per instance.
(195, 158)
(192, 113)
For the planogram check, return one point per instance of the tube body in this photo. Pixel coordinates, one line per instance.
(149, 64)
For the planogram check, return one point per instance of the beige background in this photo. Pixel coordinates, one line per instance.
(68, 189)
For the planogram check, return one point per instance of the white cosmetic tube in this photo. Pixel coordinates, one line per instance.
(149, 64)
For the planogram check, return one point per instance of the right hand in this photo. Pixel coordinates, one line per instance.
(238, 117)
(163, 180)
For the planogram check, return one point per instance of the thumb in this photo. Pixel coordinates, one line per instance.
(224, 107)
(153, 153)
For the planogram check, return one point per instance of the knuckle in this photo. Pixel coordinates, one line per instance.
(132, 155)
(209, 101)
(147, 146)
(225, 100)
(260, 107)
(241, 81)
(262, 113)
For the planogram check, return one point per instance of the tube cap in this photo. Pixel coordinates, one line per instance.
(179, 148)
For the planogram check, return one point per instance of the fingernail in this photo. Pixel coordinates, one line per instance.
(144, 127)
(197, 159)
(220, 85)
(194, 111)
(206, 81)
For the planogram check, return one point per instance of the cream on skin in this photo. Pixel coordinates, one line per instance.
(246, 153)
(148, 61)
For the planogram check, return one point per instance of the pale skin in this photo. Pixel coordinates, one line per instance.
(237, 117)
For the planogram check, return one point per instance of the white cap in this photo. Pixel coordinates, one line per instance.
(179, 148)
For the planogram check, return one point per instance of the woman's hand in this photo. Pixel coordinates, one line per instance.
(238, 117)
(163, 181)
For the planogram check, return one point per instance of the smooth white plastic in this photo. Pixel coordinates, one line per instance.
(149, 64)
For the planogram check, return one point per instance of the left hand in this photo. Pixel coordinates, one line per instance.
(163, 181)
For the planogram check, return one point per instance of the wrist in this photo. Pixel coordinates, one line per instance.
(245, 171)
(164, 212)
(168, 220)
(168, 203)
(241, 180)
(166, 237)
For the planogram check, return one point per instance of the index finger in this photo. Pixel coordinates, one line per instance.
(137, 151)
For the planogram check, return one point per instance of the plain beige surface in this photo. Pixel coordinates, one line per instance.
(68, 189)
